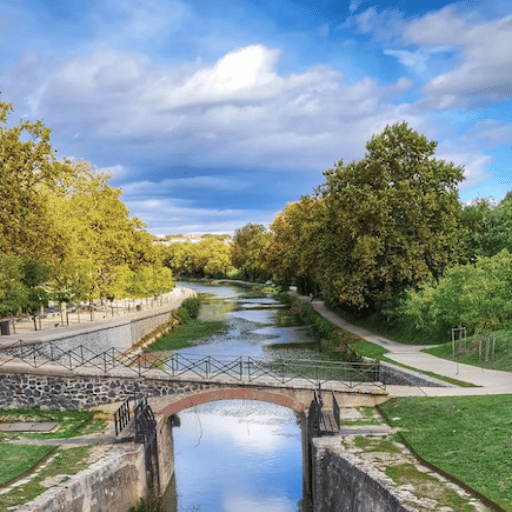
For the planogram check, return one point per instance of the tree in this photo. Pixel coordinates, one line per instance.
(391, 219)
(477, 296)
(20, 284)
(29, 172)
(487, 227)
(293, 248)
(95, 229)
(245, 249)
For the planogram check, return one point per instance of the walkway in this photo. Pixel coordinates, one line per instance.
(489, 381)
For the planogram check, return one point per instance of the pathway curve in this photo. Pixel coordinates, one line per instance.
(488, 381)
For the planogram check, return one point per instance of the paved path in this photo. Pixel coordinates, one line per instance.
(489, 381)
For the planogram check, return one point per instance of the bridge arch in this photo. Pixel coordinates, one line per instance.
(203, 397)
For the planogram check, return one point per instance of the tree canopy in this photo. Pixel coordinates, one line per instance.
(391, 219)
(63, 229)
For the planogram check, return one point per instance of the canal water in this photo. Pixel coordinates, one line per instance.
(240, 456)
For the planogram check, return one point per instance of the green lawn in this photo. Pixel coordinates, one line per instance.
(374, 351)
(19, 458)
(500, 360)
(468, 437)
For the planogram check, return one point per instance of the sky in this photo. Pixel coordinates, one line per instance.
(214, 114)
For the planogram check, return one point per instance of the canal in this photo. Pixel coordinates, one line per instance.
(241, 456)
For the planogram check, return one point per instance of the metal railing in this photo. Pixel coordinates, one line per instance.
(244, 368)
(122, 416)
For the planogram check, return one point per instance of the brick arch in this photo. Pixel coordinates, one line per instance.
(204, 397)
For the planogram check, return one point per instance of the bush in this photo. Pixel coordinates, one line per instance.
(191, 305)
(188, 310)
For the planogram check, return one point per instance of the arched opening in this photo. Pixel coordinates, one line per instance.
(233, 394)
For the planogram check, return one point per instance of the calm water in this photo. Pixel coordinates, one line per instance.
(239, 456)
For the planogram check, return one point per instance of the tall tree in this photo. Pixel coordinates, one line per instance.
(246, 247)
(29, 171)
(487, 227)
(293, 247)
(391, 219)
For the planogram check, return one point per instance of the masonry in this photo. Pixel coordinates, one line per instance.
(121, 333)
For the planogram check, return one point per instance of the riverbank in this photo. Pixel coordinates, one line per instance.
(461, 433)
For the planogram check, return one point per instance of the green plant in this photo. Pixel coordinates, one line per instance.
(467, 437)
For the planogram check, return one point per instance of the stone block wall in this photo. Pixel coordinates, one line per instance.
(82, 392)
(114, 484)
(339, 485)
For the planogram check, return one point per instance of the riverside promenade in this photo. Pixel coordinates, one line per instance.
(488, 382)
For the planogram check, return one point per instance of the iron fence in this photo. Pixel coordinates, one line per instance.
(243, 368)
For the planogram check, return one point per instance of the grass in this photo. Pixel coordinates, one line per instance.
(370, 444)
(374, 351)
(467, 437)
(66, 462)
(193, 333)
(20, 458)
(500, 360)
(71, 423)
(427, 486)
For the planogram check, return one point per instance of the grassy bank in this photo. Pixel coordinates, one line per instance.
(468, 437)
(374, 351)
(22, 459)
(500, 352)
(188, 335)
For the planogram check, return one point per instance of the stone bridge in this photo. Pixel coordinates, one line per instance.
(52, 386)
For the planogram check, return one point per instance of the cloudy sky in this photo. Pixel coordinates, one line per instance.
(212, 114)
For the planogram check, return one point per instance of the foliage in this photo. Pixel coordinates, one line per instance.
(192, 306)
(293, 245)
(477, 296)
(468, 437)
(20, 284)
(391, 219)
(247, 249)
(209, 257)
(71, 229)
(487, 227)
(29, 173)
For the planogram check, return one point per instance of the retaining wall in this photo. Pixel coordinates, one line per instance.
(120, 333)
(27, 390)
(114, 484)
(339, 484)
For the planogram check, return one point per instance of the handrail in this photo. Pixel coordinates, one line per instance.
(241, 369)
(122, 416)
(336, 410)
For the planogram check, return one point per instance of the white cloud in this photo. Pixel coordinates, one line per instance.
(485, 68)
(236, 110)
(170, 216)
(492, 132)
(476, 164)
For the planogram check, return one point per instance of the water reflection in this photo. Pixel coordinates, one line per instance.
(237, 456)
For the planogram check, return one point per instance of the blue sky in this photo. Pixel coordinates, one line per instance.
(211, 115)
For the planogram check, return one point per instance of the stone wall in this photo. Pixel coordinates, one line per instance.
(120, 333)
(338, 484)
(114, 484)
(26, 390)
(394, 375)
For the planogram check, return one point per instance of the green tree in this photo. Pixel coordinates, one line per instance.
(487, 227)
(477, 296)
(391, 219)
(292, 252)
(29, 172)
(246, 249)
(21, 281)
